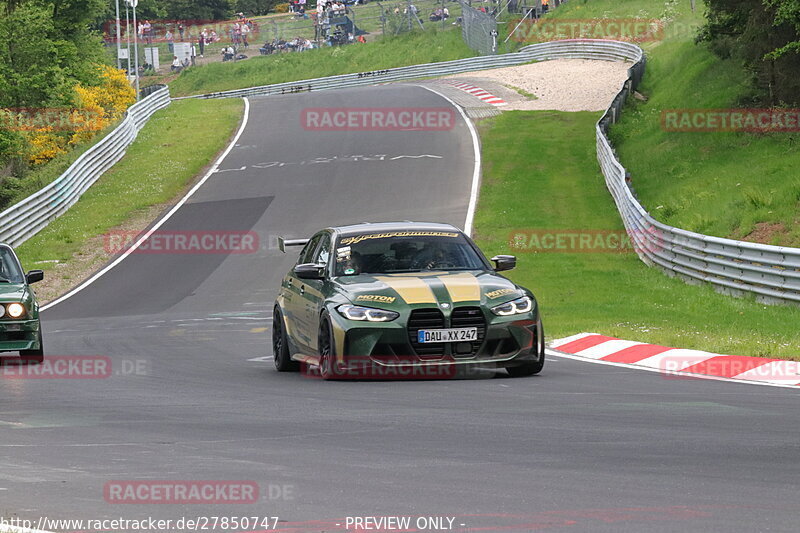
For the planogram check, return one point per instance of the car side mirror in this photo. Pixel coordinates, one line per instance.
(33, 276)
(504, 262)
(310, 271)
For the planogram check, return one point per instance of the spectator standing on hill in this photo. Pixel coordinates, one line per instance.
(170, 41)
(202, 41)
(181, 29)
(148, 32)
(245, 32)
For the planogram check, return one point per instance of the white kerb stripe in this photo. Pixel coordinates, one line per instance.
(676, 359)
(566, 340)
(606, 348)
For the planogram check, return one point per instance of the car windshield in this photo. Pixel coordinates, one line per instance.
(9, 269)
(405, 251)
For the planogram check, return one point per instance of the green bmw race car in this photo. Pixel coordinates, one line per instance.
(20, 328)
(404, 296)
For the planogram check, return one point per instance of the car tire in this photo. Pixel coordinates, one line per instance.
(34, 357)
(529, 369)
(328, 366)
(280, 345)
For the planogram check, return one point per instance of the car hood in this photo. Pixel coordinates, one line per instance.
(420, 289)
(12, 292)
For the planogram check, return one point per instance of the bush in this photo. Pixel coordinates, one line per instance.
(282, 8)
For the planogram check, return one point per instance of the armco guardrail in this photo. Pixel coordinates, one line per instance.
(772, 273)
(26, 218)
(583, 49)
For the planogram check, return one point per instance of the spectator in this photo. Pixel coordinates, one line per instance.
(170, 41)
(148, 32)
(176, 64)
(202, 41)
(245, 30)
(181, 29)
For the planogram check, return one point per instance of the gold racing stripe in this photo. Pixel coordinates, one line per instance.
(411, 289)
(463, 287)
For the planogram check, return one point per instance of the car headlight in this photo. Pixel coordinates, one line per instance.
(514, 307)
(15, 310)
(368, 314)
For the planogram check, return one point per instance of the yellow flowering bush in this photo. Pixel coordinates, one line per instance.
(45, 145)
(96, 107)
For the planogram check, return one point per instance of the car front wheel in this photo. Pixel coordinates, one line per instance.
(529, 369)
(328, 366)
(280, 345)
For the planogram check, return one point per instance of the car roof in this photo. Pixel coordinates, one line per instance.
(369, 227)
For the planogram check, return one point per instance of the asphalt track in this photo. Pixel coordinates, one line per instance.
(582, 447)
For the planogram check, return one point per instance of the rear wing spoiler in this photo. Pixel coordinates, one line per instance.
(283, 243)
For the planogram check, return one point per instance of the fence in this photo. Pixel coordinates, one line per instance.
(479, 29)
(26, 218)
(606, 50)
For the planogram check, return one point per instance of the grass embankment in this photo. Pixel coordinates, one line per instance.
(727, 184)
(38, 178)
(540, 172)
(164, 158)
(407, 49)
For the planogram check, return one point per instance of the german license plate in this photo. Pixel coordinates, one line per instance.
(425, 336)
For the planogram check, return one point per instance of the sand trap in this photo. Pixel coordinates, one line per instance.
(561, 84)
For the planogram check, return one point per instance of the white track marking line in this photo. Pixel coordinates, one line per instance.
(166, 217)
(476, 174)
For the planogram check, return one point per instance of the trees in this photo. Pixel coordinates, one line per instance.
(765, 36)
(47, 47)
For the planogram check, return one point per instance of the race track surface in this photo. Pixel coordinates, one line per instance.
(582, 447)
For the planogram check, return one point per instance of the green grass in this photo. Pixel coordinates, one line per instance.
(165, 157)
(737, 185)
(540, 172)
(44, 174)
(404, 50)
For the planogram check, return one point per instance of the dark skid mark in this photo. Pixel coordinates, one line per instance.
(148, 283)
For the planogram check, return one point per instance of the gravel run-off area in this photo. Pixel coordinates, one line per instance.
(560, 84)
